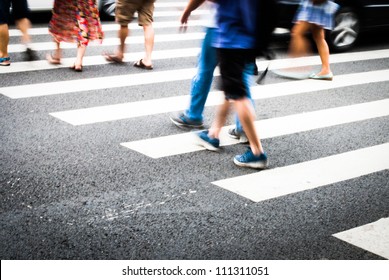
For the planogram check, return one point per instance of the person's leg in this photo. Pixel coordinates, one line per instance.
(123, 34)
(4, 40)
(4, 32)
(202, 81)
(220, 119)
(299, 45)
(81, 48)
(247, 77)
(246, 115)
(24, 25)
(149, 43)
(322, 47)
(124, 13)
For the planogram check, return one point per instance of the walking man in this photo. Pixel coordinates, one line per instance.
(235, 43)
(124, 13)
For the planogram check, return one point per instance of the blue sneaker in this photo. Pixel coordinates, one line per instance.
(248, 159)
(207, 142)
(181, 120)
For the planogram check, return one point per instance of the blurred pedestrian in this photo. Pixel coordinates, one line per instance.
(124, 14)
(20, 14)
(74, 21)
(202, 81)
(315, 16)
(235, 40)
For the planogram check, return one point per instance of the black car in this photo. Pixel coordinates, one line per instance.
(352, 18)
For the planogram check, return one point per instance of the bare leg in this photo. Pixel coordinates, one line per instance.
(322, 47)
(80, 56)
(4, 40)
(24, 25)
(123, 34)
(149, 43)
(299, 45)
(246, 115)
(220, 120)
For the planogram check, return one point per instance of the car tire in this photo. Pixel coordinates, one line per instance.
(346, 30)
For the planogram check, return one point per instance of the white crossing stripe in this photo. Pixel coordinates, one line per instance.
(373, 237)
(192, 52)
(269, 128)
(115, 27)
(18, 67)
(273, 183)
(110, 42)
(42, 89)
(177, 103)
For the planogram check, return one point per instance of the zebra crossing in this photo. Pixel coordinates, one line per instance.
(275, 182)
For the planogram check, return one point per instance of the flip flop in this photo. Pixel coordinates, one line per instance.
(140, 64)
(53, 60)
(5, 61)
(112, 58)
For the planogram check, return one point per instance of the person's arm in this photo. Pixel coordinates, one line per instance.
(192, 5)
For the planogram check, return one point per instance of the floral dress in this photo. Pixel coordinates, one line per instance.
(76, 21)
(321, 14)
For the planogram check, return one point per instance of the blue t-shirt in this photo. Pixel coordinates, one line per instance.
(236, 24)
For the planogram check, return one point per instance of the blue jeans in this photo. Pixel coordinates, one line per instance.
(202, 81)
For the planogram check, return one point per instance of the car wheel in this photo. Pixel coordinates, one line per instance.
(346, 31)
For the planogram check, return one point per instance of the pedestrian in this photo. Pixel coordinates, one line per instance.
(20, 14)
(235, 41)
(201, 83)
(74, 21)
(124, 14)
(315, 16)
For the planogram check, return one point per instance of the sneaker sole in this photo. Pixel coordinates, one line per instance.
(205, 144)
(255, 165)
(186, 125)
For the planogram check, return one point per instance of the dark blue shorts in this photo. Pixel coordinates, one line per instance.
(19, 10)
(232, 63)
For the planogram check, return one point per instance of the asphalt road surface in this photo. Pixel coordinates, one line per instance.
(91, 166)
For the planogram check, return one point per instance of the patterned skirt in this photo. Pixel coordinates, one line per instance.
(76, 21)
(322, 15)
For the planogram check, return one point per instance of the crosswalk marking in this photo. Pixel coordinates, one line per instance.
(191, 52)
(115, 27)
(111, 42)
(18, 67)
(269, 128)
(176, 103)
(308, 175)
(373, 237)
(155, 76)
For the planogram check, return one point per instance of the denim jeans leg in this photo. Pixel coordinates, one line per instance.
(202, 81)
(247, 76)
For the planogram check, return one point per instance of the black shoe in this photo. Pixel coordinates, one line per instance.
(30, 55)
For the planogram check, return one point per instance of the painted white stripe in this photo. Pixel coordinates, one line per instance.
(373, 237)
(269, 128)
(18, 67)
(115, 27)
(104, 82)
(177, 103)
(176, 53)
(282, 181)
(111, 42)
